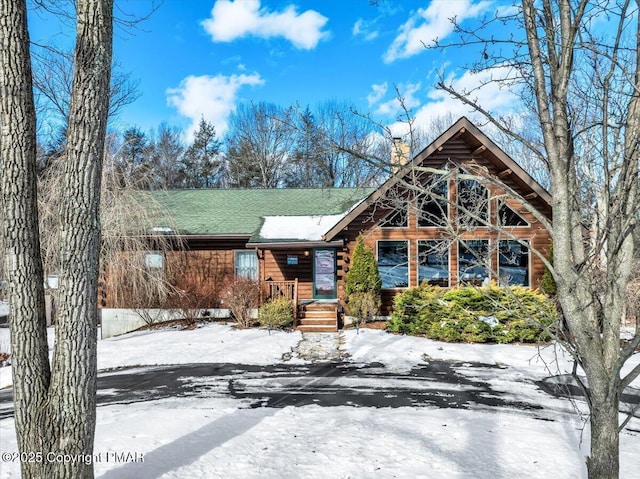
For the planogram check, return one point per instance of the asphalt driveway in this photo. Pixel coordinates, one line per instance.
(442, 384)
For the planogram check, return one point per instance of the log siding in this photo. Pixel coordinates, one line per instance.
(463, 149)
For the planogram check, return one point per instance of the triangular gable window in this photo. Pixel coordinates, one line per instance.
(508, 217)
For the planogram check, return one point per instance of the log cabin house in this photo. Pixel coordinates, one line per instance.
(461, 211)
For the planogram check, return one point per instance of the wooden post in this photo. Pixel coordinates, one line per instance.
(295, 301)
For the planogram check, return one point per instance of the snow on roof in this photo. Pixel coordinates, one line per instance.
(303, 228)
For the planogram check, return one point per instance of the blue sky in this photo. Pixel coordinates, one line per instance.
(198, 58)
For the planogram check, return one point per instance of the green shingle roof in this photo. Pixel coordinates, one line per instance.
(231, 212)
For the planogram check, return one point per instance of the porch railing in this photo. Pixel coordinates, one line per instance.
(282, 289)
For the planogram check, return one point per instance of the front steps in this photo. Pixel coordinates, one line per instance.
(318, 317)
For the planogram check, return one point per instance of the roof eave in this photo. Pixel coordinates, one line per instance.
(224, 236)
(295, 244)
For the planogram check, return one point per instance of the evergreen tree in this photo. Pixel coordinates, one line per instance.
(240, 172)
(201, 162)
(363, 283)
(132, 162)
(309, 168)
(167, 154)
(363, 275)
(52, 150)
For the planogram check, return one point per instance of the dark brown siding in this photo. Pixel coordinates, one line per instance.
(202, 273)
(273, 266)
(200, 269)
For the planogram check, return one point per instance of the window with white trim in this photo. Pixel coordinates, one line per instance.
(154, 265)
(473, 202)
(246, 265)
(154, 261)
(513, 263)
(508, 217)
(433, 206)
(393, 264)
(433, 262)
(474, 261)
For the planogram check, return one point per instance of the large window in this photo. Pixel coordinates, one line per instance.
(433, 207)
(473, 203)
(398, 218)
(246, 265)
(513, 263)
(393, 264)
(474, 261)
(433, 262)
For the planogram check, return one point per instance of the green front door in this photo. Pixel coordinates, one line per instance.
(324, 273)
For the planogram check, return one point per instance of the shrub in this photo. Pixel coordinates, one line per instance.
(413, 308)
(241, 296)
(363, 283)
(277, 313)
(469, 298)
(191, 299)
(364, 305)
(475, 315)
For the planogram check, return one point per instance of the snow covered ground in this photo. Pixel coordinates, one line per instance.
(221, 437)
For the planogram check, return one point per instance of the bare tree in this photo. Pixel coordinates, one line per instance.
(259, 146)
(345, 132)
(137, 235)
(53, 78)
(584, 86)
(54, 405)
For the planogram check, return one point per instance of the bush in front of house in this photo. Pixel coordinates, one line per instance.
(364, 306)
(241, 297)
(277, 313)
(363, 284)
(474, 315)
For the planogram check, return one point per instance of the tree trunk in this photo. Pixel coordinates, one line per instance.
(55, 412)
(604, 459)
(30, 361)
(74, 371)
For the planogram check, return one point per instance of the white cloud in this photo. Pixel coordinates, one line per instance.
(211, 97)
(364, 29)
(491, 95)
(378, 91)
(395, 107)
(429, 24)
(231, 20)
